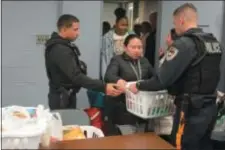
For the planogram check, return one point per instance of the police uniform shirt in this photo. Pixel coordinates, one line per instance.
(221, 84)
(177, 58)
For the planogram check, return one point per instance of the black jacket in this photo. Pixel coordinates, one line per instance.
(119, 68)
(64, 68)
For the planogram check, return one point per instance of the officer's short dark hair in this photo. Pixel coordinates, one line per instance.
(184, 7)
(66, 20)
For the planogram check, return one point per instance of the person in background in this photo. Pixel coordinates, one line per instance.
(126, 67)
(112, 43)
(137, 29)
(65, 71)
(146, 30)
(105, 27)
(151, 40)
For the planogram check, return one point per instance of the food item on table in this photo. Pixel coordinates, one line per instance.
(19, 114)
(73, 133)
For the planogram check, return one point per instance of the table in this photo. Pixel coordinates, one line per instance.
(135, 141)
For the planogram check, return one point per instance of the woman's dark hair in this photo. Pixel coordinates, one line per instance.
(146, 26)
(130, 37)
(137, 29)
(105, 27)
(120, 13)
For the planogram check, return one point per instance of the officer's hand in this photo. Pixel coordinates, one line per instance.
(113, 90)
(122, 84)
(133, 88)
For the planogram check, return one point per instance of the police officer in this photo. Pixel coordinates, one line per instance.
(65, 71)
(219, 137)
(221, 84)
(190, 72)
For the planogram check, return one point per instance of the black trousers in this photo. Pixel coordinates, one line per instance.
(218, 145)
(193, 132)
(55, 101)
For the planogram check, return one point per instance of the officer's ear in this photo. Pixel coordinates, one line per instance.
(181, 20)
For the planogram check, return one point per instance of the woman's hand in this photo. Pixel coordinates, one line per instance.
(121, 84)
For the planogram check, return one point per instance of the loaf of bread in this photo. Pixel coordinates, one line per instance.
(73, 133)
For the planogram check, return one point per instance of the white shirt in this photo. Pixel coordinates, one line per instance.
(119, 43)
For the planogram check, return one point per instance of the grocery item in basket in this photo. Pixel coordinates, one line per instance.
(73, 133)
(15, 112)
(19, 114)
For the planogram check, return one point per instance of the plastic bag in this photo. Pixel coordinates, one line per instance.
(22, 127)
(218, 132)
(163, 125)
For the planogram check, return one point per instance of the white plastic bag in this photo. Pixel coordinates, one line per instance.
(56, 126)
(27, 137)
(23, 126)
(163, 125)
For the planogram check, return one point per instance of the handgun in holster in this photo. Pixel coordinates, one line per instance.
(65, 96)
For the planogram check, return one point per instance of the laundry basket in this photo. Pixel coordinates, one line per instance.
(89, 131)
(23, 132)
(92, 132)
(149, 105)
(24, 139)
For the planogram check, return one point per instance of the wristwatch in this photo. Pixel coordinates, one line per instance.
(138, 85)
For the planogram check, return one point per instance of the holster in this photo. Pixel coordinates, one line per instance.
(185, 105)
(65, 97)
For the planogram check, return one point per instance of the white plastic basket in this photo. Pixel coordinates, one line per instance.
(148, 105)
(92, 132)
(23, 133)
(23, 140)
(89, 131)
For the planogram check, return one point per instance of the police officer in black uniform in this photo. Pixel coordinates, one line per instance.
(190, 72)
(65, 71)
(219, 137)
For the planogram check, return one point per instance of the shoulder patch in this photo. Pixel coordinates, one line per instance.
(171, 53)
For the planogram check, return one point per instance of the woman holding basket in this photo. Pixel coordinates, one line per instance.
(127, 67)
